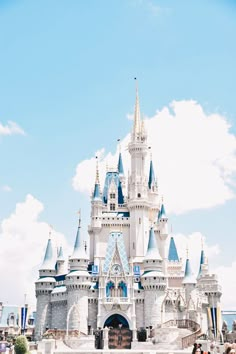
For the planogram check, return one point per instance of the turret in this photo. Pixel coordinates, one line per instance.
(60, 263)
(78, 283)
(44, 286)
(138, 203)
(154, 282)
(48, 266)
(163, 230)
(79, 259)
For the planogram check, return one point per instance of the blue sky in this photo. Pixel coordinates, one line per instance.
(66, 80)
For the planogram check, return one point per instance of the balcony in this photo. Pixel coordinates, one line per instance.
(122, 302)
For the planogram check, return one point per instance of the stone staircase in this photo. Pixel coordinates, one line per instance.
(169, 338)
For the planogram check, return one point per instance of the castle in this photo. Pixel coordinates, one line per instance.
(131, 273)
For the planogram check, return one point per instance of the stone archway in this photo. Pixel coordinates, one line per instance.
(116, 321)
(119, 334)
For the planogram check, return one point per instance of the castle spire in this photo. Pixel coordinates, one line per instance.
(202, 261)
(152, 250)
(79, 251)
(189, 277)
(48, 261)
(173, 254)
(151, 179)
(137, 115)
(96, 192)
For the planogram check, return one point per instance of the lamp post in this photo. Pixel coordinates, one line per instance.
(55, 332)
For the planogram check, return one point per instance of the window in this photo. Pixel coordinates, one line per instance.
(112, 206)
(112, 196)
(139, 195)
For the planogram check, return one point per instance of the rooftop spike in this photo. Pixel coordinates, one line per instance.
(96, 192)
(162, 213)
(60, 256)
(189, 277)
(202, 261)
(120, 165)
(79, 251)
(173, 254)
(137, 115)
(151, 179)
(152, 250)
(48, 262)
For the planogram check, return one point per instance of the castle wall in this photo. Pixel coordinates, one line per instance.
(77, 308)
(59, 315)
(92, 313)
(43, 314)
(152, 308)
(139, 309)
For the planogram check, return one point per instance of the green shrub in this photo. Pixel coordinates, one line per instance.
(21, 345)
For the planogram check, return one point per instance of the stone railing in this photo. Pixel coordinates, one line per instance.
(116, 300)
(188, 324)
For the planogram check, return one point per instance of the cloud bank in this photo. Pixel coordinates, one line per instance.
(23, 241)
(11, 128)
(194, 155)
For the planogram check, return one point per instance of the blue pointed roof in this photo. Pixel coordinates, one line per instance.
(79, 251)
(189, 277)
(96, 193)
(173, 254)
(60, 256)
(120, 165)
(152, 250)
(162, 213)
(116, 241)
(112, 176)
(151, 179)
(202, 260)
(48, 262)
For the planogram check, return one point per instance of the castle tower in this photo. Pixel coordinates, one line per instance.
(78, 284)
(96, 219)
(138, 203)
(60, 263)
(189, 283)
(44, 286)
(163, 231)
(152, 189)
(154, 283)
(174, 266)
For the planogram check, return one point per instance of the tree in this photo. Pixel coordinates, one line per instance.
(21, 345)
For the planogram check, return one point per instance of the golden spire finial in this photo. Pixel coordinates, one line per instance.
(97, 171)
(150, 149)
(187, 252)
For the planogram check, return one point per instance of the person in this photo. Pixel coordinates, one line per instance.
(194, 348)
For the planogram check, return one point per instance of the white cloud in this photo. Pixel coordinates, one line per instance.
(6, 188)
(11, 128)
(194, 155)
(23, 241)
(228, 283)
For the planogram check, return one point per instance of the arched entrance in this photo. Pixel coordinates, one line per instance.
(119, 335)
(115, 321)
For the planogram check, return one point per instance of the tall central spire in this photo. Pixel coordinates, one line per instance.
(137, 115)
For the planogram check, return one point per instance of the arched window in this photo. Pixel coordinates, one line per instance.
(110, 289)
(11, 320)
(122, 289)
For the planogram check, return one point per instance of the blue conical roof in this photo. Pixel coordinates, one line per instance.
(48, 262)
(173, 254)
(189, 277)
(151, 179)
(96, 193)
(120, 165)
(79, 251)
(162, 213)
(60, 256)
(152, 250)
(202, 260)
